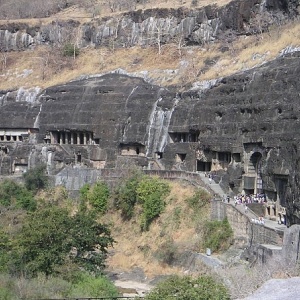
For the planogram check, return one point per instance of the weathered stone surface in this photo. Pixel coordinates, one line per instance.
(277, 289)
(146, 27)
(243, 128)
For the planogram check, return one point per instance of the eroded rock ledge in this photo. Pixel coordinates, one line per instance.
(152, 26)
(243, 128)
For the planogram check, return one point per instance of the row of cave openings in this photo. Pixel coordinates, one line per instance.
(71, 138)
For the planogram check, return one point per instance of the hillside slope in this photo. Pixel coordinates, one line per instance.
(231, 38)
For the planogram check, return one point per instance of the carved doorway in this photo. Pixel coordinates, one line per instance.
(254, 169)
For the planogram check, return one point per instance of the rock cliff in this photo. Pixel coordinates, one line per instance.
(243, 129)
(153, 26)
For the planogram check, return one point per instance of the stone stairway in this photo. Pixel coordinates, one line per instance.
(213, 185)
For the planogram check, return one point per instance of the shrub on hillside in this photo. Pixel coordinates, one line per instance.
(217, 235)
(126, 197)
(70, 50)
(15, 195)
(36, 178)
(200, 199)
(167, 252)
(84, 192)
(183, 288)
(98, 195)
(151, 193)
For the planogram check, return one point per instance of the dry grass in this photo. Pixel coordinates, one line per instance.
(192, 64)
(136, 249)
(100, 8)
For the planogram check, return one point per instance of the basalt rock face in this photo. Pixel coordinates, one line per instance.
(243, 128)
(148, 27)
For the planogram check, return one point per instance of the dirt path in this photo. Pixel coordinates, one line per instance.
(132, 288)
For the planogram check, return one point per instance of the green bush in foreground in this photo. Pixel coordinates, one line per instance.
(188, 288)
(53, 287)
(89, 286)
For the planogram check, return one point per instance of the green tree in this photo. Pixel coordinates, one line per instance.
(90, 237)
(183, 288)
(151, 193)
(126, 197)
(84, 192)
(50, 237)
(98, 196)
(43, 241)
(36, 178)
(15, 195)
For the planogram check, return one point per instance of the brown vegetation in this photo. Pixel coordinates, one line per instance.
(47, 66)
(177, 229)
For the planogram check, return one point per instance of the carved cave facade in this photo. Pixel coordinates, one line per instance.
(116, 121)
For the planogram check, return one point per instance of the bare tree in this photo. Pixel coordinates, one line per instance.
(3, 59)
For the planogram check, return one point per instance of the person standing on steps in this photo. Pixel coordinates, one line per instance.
(209, 178)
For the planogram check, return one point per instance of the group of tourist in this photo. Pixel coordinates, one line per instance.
(260, 220)
(247, 199)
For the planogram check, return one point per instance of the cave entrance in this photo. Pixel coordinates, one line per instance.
(254, 170)
(78, 157)
(203, 166)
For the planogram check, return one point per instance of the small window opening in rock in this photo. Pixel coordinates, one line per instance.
(279, 110)
(97, 141)
(159, 155)
(2, 137)
(8, 138)
(231, 185)
(224, 156)
(4, 150)
(14, 138)
(20, 138)
(137, 150)
(203, 166)
(181, 157)
(242, 111)
(79, 158)
(219, 115)
(236, 157)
